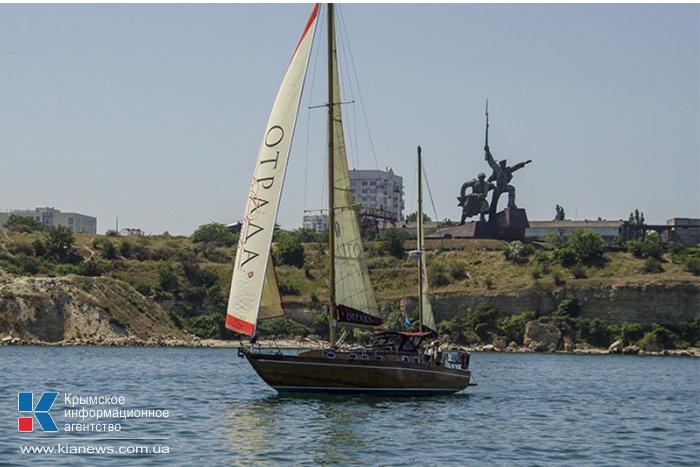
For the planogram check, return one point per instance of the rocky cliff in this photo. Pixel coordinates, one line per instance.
(645, 304)
(75, 309)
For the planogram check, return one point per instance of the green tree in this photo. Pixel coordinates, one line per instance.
(513, 327)
(636, 218)
(645, 248)
(305, 235)
(413, 217)
(109, 251)
(23, 224)
(588, 246)
(559, 216)
(59, 244)
(214, 233)
(289, 250)
(39, 248)
(167, 278)
(392, 242)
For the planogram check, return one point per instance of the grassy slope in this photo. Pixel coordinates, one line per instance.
(465, 266)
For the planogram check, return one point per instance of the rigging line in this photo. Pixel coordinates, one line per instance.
(361, 99)
(414, 184)
(351, 121)
(430, 194)
(310, 94)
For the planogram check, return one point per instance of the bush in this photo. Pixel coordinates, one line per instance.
(39, 248)
(456, 329)
(660, 338)
(569, 307)
(588, 246)
(144, 289)
(320, 325)
(281, 327)
(596, 332)
(652, 266)
(304, 235)
(437, 274)
(644, 248)
(214, 233)
(109, 251)
(630, 332)
(18, 223)
(288, 287)
(392, 242)
(692, 265)
(125, 249)
(59, 245)
(289, 250)
(457, 269)
(553, 238)
(518, 252)
(557, 279)
(208, 325)
(90, 268)
(117, 320)
(513, 327)
(481, 320)
(168, 279)
(578, 271)
(566, 256)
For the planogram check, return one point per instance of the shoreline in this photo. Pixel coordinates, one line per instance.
(306, 343)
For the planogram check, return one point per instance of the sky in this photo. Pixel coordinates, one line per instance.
(155, 113)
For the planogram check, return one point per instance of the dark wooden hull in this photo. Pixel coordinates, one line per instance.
(312, 372)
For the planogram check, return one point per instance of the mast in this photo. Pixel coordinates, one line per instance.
(331, 181)
(420, 242)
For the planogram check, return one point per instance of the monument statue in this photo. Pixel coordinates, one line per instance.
(475, 202)
(502, 174)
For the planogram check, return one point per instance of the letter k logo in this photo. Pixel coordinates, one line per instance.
(25, 403)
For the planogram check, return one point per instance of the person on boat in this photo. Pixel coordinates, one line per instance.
(433, 352)
(502, 174)
(475, 202)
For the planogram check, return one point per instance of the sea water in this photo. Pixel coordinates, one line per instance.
(200, 406)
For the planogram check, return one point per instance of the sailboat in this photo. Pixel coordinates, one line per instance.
(394, 362)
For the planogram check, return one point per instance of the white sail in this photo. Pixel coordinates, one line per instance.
(428, 317)
(352, 285)
(271, 305)
(251, 272)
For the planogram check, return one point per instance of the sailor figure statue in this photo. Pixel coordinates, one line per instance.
(475, 202)
(502, 174)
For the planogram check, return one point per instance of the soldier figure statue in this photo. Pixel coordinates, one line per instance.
(502, 174)
(475, 202)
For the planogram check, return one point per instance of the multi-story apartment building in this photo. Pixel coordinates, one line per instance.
(50, 217)
(317, 223)
(379, 191)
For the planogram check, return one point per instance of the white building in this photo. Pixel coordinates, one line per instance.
(129, 232)
(378, 191)
(317, 223)
(50, 217)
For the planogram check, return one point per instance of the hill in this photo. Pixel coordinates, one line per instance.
(166, 287)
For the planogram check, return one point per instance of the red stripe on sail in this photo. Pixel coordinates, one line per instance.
(239, 326)
(312, 18)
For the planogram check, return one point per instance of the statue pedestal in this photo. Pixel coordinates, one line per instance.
(477, 229)
(510, 224)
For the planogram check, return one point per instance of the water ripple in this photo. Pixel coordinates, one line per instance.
(528, 410)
